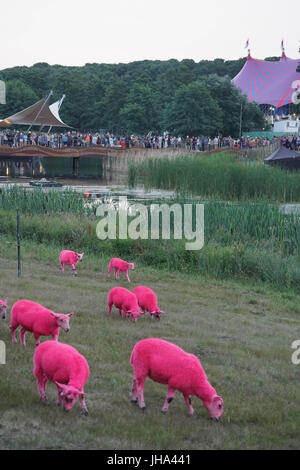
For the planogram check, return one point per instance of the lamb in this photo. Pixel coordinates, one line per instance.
(124, 300)
(37, 319)
(68, 257)
(119, 266)
(147, 301)
(166, 363)
(63, 365)
(3, 307)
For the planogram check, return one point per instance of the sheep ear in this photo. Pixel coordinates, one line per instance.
(54, 314)
(216, 398)
(82, 394)
(61, 386)
(70, 314)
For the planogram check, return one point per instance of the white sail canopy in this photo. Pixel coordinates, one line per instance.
(38, 114)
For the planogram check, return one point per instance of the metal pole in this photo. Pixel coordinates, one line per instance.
(19, 243)
(241, 117)
(47, 99)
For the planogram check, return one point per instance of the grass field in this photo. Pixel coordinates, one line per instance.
(242, 334)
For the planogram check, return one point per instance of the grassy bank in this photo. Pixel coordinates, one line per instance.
(240, 243)
(218, 176)
(242, 335)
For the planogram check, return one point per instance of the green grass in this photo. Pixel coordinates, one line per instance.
(241, 333)
(39, 201)
(241, 242)
(218, 176)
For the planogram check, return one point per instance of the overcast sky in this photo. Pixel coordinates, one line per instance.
(75, 32)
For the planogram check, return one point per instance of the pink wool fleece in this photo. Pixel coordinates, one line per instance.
(119, 266)
(68, 257)
(168, 364)
(125, 301)
(147, 300)
(37, 319)
(63, 365)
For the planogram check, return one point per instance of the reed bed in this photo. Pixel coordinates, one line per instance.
(219, 176)
(39, 201)
(226, 223)
(242, 241)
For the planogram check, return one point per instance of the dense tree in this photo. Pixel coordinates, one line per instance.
(193, 112)
(18, 96)
(230, 102)
(137, 97)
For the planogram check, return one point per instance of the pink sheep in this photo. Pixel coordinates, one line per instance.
(3, 307)
(63, 365)
(37, 319)
(120, 266)
(124, 300)
(68, 257)
(166, 363)
(147, 301)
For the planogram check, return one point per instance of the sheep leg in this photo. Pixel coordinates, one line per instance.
(109, 308)
(42, 382)
(169, 398)
(189, 404)
(59, 398)
(134, 391)
(22, 336)
(126, 313)
(140, 390)
(83, 405)
(127, 276)
(74, 270)
(12, 331)
(37, 339)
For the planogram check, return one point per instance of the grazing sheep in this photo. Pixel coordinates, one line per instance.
(37, 319)
(120, 266)
(63, 365)
(68, 257)
(3, 307)
(124, 300)
(166, 363)
(147, 300)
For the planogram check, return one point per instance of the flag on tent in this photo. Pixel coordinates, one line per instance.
(282, 46)
(247, 44)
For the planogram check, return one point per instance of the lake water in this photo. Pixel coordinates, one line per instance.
(100, 191)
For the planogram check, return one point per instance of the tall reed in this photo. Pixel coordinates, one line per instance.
(218, 176)
(40, 201)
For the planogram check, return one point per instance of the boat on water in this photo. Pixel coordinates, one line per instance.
(43, 183)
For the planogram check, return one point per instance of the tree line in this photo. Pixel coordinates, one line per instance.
(181, 97)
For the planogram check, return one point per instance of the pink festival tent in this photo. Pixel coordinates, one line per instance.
(274, 83)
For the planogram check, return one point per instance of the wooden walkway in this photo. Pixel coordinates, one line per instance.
(30, 151)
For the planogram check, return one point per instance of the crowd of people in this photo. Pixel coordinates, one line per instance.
(291, 142)
(76, 139)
